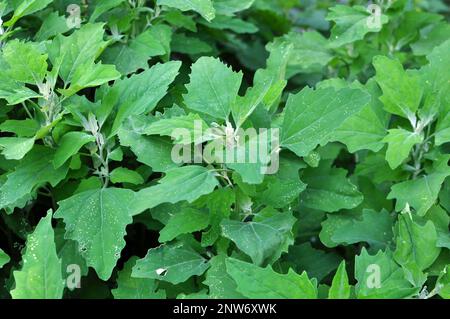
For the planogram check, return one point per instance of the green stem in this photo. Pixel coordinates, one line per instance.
(26, 110)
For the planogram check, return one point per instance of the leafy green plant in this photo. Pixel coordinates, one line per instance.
(115, 117)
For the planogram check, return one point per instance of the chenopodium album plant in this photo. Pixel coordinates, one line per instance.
(224, 149)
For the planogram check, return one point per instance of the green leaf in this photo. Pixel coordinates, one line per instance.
(53, 24)
(71, 55)
(370, 226)
(181, 20)
(103, 6)
(284, 187)
(140, 93)
(16, 147)
(400, 143)
(172, 263)
(436, 82)
(219, 204)
(352, 24)
(379, 277)
(441, 220)
(221, 284)
(192, 125)
(153, 151)
(375, 167)
(243, 107)
(264, 240)
(213, 88)
(89, 76)
(230, 7)
(311, 115)
(222, 22)
(281, 192)
(260, 153)
(69, 253)
(4, 258)
(274, 75)
(22, 128)
(420, 193)
(69, 145)
(444, 283)
(189, 45)
(402, 90)
(204, 7)
(13, 91)
(124, 58)
(125, 175)
(328, 189)
(310, 52)
(133, 288)
(412, 23)
(416, 244)
(34, 170)
(26, 7)
(340, 288)
(343, 120)
(116, 154)
(28, 67)
(97, 219)
(164, 212)
(186, 221)
(315, 262)
(366, 129)
(442, 134)
(264, 283)
(184, 183)
(444, 195)
(431, 37)
(154, 41)
(435, 79)
(41, 274)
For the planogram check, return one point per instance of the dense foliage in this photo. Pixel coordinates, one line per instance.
(91, 93)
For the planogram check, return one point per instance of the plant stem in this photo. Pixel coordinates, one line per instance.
(26, 110)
